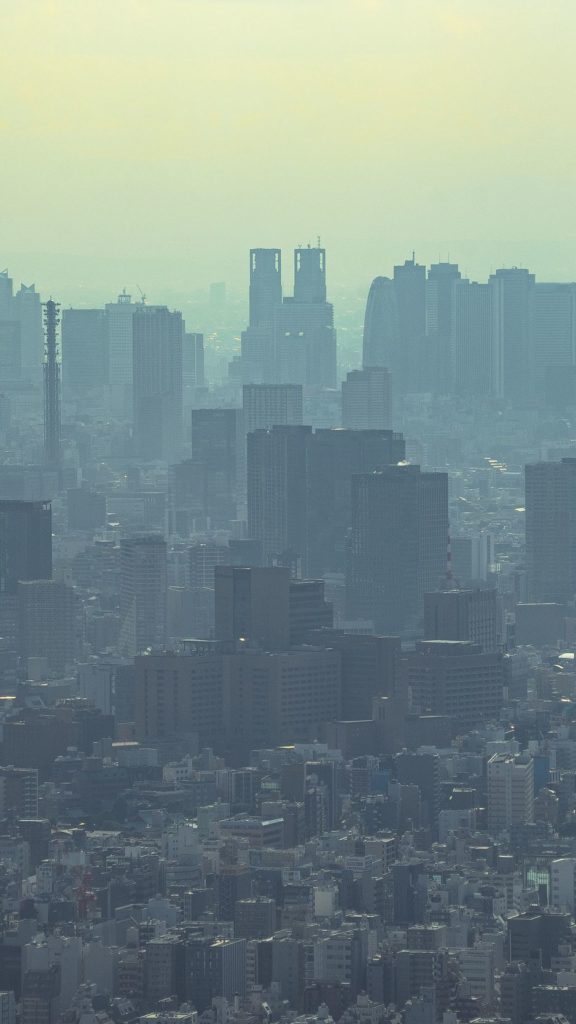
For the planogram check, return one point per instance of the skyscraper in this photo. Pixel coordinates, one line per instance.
(193, 360)
(84, 350)
(48, 621)
(157, 381)
(277, 492)
(552, 332)
(143, 590)
(304, 334)
(510, 791)
(439, 305)
(381, 344)
(551, 530)
(476, 341)
(28, 312)
(270, 405)
(398, 544)
(120, 345)
(367, 399)
(25, 543)
(410, 290)
(265, 295)
(217, 440)
(513, 297)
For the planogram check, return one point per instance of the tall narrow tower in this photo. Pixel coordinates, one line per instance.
(51, 386)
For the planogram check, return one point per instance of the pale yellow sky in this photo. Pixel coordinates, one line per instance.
(164, 137)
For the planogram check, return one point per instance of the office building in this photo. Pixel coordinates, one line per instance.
(422, 770)
(455, 678)
(367, 399)
(120, 339)
(269, 405)
(277, 476)
(254, 918)
(143, 592)
(552, 333)
(398, 545)
(25, 543)
(439, 304)
(304, 334)
(550, 503)
(510, 791)
(257, 344)
(476, 341)
(6, 295)
(84, 350)
(41, 991)
(217, 439)
(157, 381)
(7, 1008)
(215, 967)
(410, 291)
(49, 623)
(193, 360)
(18, 792)
(10, 350)
(513, 289)
(563, 884)
(381, 339)
(462, 615)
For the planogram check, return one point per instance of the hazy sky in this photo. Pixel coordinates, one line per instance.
(159, 139)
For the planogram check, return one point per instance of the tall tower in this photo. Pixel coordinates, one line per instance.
(265, 284)
(381, 343)
(52, 421)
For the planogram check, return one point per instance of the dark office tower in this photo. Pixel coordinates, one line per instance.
(410, 289)
(253, 604)
(28, 312)
(48, 623)
(381, 344)
(476, 350)
(143, 592)
(157, 381)
(310, 275)
(367, 399)
(84, 350)
(216, 449)
(422, 770)
(439, 302)
(304, 335)
(52, 414)
(271, 405)
(462, 615)
(398, 544)
(120, 341)
(277, 493)
(552, 333)
(193, 361)
(25, 543)
(512, 300)
(551, 530)
(10, 350)
(265, 285)
(334, 457)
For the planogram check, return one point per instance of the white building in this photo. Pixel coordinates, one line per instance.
(510, 791)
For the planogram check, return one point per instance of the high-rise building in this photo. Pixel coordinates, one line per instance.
(398, 545)
(381, 343)
(10, 350)
(84, 350)
(28, 312)
(334, 457)
(120, 341)
(48, 622)
(552, 330)
(563, 884)
(6, 295)
(193, 360)
(52, 405)
(551, 530)
(18, 792)
(367, 399)
(476, 340)
(410, 290)
(25, 543)
(439, 303)
(277, 492)
(265, 295)
(217, 438)
(462, 615)
(512, 302)
(143, 593)
(269, 405)
(455, 678)
(510, 791)
(304, 334)
(157, 381)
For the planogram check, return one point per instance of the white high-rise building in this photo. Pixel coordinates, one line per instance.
(510, 791)
(563, 884)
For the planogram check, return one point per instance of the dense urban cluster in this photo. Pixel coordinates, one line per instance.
(288, 653)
